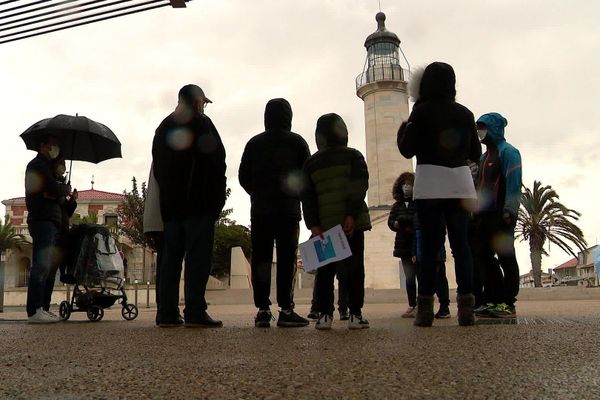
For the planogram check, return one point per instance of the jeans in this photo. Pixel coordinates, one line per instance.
(500, 277)
(284, 233)
(435, 216)
(410, 272)
(192, 238)
(354, 270)
(342, 302)
(44, 262)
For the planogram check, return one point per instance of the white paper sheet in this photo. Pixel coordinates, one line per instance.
(316, 253)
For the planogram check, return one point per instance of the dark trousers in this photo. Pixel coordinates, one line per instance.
(342, 279)
(192, 238)
(494, 237)
(435, 216)
(441, 284)
(354, 268)
(159, 243)
(44, 262)
(410, 273)
(284, 233)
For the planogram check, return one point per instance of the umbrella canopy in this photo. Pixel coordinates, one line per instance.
(79, 138)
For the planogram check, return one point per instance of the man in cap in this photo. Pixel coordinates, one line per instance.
(189, 167)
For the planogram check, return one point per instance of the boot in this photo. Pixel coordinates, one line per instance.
(465, 303)
(424, 311)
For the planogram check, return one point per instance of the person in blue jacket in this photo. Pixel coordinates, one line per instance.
(499, 193)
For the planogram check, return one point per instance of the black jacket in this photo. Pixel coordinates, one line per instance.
(405, 245)
(189, 166)
(271, 166)
(439, 131)
(44, 195)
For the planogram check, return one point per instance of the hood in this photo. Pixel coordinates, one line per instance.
(436, 81)
(331, 131)
(278, 115)
(495, 127)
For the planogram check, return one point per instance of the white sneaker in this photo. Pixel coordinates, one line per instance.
(42, 317)
(324, 322)
(357, 322)
(52, 315)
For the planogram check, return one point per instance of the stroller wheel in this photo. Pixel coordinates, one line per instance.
(95, 313)
(129, 312)
(64, 310)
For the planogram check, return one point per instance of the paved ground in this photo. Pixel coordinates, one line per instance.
(551, 353)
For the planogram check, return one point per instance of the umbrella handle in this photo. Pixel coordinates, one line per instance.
(70, 167)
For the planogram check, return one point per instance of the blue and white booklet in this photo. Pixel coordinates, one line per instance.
(317, 252)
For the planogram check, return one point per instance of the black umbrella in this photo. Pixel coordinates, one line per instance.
(79, 138)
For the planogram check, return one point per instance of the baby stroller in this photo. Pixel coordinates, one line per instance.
(95, 268)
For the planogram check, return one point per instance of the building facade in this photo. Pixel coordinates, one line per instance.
(579, 271)
(92, 206)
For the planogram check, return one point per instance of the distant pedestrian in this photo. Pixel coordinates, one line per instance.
(337, 182)
(189, 166)
(44, 195)
(499, 191)
(270, 172)
(441, 134)
(403, 221)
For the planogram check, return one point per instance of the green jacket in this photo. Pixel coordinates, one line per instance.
(337, 179)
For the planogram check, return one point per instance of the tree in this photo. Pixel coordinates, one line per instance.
(131, 215)
(228, 234)
(9, 239)
(543, 218)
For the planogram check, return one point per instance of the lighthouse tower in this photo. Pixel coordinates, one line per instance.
(383, 88)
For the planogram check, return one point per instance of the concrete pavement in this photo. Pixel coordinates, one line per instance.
(551, 353)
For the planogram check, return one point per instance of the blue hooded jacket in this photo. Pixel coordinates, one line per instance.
(509, 173)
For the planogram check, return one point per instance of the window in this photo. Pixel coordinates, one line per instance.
(110, 221)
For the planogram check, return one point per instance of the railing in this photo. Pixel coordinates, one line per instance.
(383, 72)
(22, 279)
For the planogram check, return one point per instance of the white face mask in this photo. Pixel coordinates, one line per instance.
(407, 190)
(482, 133)
(54, 150)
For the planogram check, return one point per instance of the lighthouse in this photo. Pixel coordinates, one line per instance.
(382, 86)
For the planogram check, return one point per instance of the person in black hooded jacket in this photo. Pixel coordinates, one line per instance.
(271, 173)
(441, 133)
(189, 167)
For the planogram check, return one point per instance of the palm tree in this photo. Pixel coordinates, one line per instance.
(542, 218)
(9, 239)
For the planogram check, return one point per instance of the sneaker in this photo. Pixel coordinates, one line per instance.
(43, 317)
(503, 310)
(324, 322)
(410, 312)
(289, 319)
(357, 322)
(344, 316)
(263, 319)
(443, 313)
(484, 310)
(313, 314)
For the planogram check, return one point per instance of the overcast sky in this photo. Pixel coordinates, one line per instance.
(535, 62)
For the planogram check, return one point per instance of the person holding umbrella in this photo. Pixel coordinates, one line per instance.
(43, 197)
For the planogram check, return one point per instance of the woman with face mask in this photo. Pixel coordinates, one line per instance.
(403, 221)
